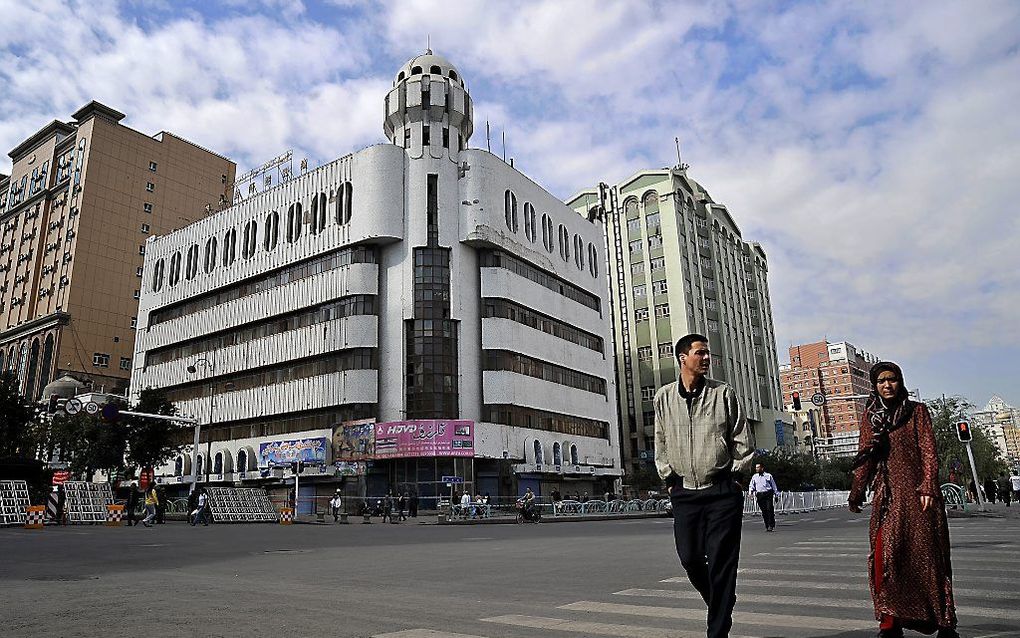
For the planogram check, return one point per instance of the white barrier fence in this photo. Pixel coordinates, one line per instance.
(797, 502)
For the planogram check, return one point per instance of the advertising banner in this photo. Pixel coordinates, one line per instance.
(354, 440)
(285, 452)
(404, 439)
(350, 468)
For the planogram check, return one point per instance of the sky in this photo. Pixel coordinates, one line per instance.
(873, 149)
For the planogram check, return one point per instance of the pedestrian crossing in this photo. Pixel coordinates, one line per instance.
(799, 589)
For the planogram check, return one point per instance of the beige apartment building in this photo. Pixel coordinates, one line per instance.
(839, 372)
(75, 212)
(677, 263)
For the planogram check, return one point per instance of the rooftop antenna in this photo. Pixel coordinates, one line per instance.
(488, 146)
(428, 44)
(679, 161)
(503, 134)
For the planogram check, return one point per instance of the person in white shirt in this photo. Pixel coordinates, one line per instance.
(764, 489)
(465, 503)
(336, 503)
(1014, 481)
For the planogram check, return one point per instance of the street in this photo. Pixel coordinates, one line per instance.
(612, 578)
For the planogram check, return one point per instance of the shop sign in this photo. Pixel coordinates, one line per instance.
(424, 438)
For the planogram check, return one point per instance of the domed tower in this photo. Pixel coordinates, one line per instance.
(428, 106)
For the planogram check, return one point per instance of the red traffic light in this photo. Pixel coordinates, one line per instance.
(796, 400)
(963, 432)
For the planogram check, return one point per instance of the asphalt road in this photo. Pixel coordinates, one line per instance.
(610, 578)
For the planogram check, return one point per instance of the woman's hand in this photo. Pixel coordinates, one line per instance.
(926, 503)
(854, 508)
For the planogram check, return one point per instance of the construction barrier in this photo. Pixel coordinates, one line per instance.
(114, 515)
(86, 502)
(34, 515)
(13, 501)
(286, 515)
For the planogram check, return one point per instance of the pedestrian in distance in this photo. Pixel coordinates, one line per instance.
(909, 566)
(335, 504)
(990, 489)
(402, 507)
(132, 503)
(201, 512)
(465, 504)
(1005, 490)
(151, 501)
(414, 504)
(763, 488)
(702, 445)
(1014, 481)
(160, 505)
(387, 512)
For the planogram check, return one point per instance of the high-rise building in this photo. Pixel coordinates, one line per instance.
(413, 311)
(839, 372)
(677, 264)
(82, 198)
(1000, 421)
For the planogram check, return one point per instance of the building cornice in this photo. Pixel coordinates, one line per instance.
(93, 108)
(45, 133)
(58, 318)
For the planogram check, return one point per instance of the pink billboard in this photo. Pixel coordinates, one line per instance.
(402, 439)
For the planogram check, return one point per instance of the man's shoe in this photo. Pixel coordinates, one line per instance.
(890, 633)
(947, 632)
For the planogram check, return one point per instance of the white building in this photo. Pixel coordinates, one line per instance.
(678, 264)
(998, 421)
(416, 281)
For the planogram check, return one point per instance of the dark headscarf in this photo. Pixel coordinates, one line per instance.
(884, 416)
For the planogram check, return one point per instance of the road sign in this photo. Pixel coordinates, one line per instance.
(92, 408)
(73, 406)
(453, 479)
(61, 476)
(818, 399)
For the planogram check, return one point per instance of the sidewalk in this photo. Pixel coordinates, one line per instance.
(992, 510)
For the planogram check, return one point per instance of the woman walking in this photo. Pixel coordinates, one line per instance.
(909, 565)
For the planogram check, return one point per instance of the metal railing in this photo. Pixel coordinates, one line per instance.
(799, 502)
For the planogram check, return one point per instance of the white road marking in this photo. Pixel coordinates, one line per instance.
(595, 629)
(423, 633)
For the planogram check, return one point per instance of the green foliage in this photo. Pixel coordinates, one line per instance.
(945, 413)
(88, 443)
(19, 428)
(152, 442)
(645, 477)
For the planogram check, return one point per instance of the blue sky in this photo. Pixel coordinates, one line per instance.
(874, 150)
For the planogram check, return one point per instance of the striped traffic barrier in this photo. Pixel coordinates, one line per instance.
(286, 515)
(114, 515)
(34, 515)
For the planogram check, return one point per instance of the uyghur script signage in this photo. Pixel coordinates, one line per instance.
(401, 439)
(286, 452)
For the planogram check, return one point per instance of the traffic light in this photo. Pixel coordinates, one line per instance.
(51, 407)
(963, 432)
(796, 400)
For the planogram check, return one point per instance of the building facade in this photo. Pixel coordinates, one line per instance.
(82, 198)
(839, 372)
(677, 264)
(1000, 421)
(413, 311)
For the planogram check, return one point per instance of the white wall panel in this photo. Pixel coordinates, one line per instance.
(500, 282)
(504, 387)
(505, 334)
(325, 391)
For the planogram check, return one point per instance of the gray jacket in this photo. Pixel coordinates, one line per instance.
(700, 446)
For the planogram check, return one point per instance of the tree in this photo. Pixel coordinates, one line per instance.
(945, 413)
(834, 474)
(792, 471)
(87, 443)
(152, 442)
(19, 431)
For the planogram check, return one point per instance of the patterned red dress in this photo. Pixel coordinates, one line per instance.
(913, 581)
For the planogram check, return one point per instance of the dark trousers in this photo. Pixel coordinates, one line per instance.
(706, 527)
(767, 505)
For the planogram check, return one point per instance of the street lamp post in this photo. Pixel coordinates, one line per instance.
(192, 369)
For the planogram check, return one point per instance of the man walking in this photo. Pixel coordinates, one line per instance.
(702, 444)
(335, 504)
(151, 501)
(201, 509)
(764, 489)
(132, 503)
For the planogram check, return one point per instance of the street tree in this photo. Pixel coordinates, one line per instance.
(153, 442)
(19, 427)
(945, 413)
(88, 444)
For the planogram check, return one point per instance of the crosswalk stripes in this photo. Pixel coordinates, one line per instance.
(794, 591)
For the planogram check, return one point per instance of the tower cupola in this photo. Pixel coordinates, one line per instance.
(428, 105)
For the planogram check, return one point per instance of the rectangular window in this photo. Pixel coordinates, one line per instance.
(432, 202)
(634, 228)
(635, 246)
(665, 350)
(661, 310)
(138, 272)
(654, 241)
(637, 268)
(138, 294)
(134, 322)
(647, 393)
(713, 326)
(407, 137)
(101, 360)
(652, 221)
(446, 137)
(657, 262)
(659, 287)
(426, 136)
(644, 353)
(141, 249)
(125, 363)
(711, 304)
(152, 166)
(640, 291)
(149, 186)
(147, 207)
(145, 229)
(641, 314)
